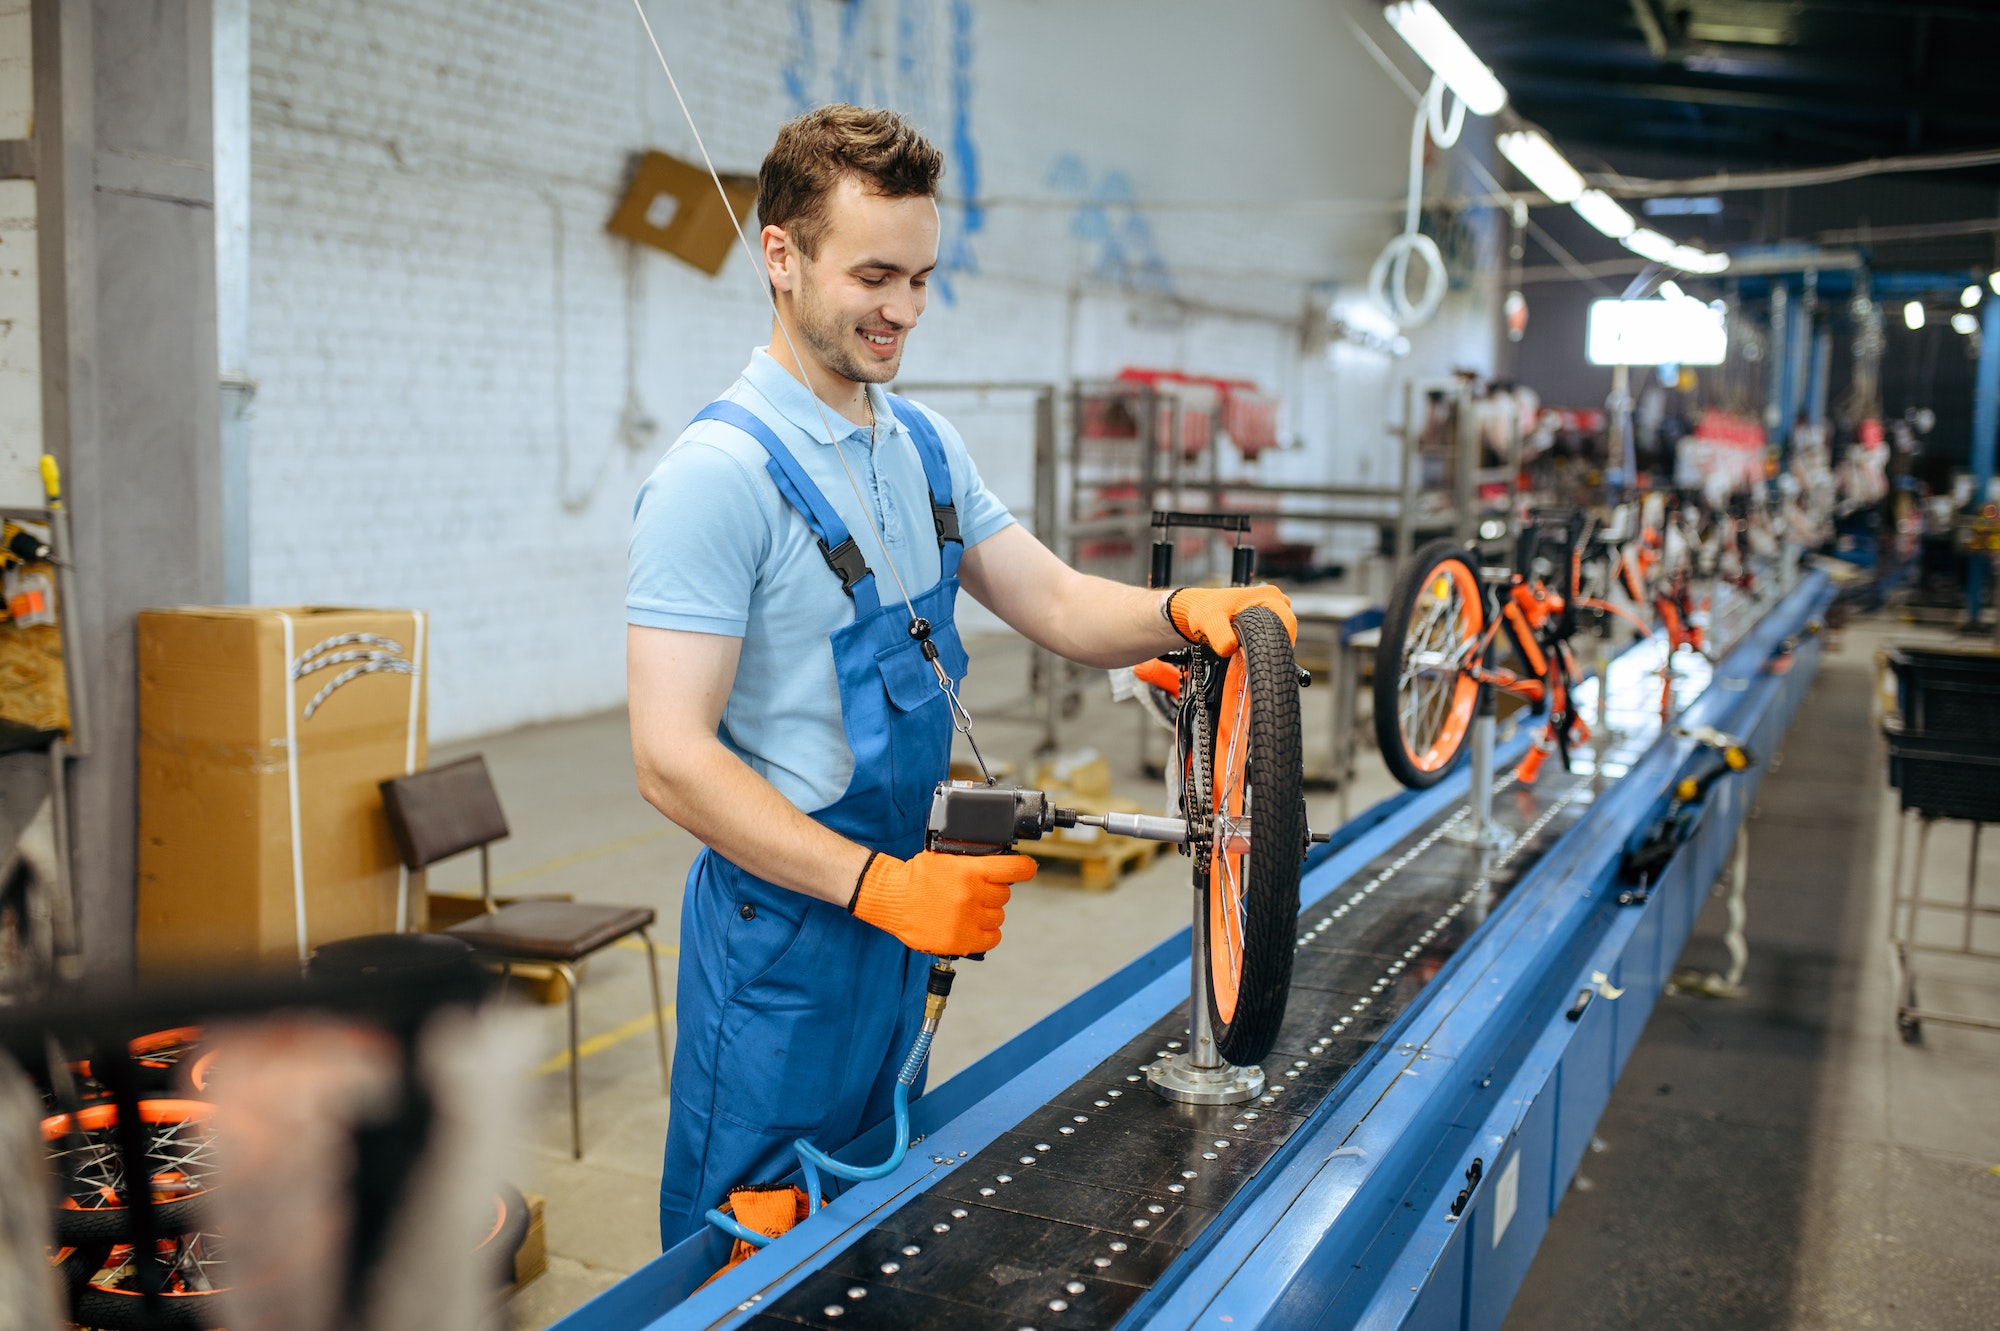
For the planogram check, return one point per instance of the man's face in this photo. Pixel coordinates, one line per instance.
(856, 302)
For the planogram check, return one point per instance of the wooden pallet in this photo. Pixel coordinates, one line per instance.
(1098, 864)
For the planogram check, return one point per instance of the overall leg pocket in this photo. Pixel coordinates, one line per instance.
(783, 1034)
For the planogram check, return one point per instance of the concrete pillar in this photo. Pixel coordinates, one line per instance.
(124, 147)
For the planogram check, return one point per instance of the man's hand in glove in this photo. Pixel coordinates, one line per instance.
(1203, 614)
(946, 905)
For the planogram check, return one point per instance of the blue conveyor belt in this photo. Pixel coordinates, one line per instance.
(1455, 1026)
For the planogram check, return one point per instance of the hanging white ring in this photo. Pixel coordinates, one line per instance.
(1444, 132)
(1388, 280)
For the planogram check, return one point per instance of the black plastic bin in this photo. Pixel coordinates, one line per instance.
(1947, 695)
(1947, 777)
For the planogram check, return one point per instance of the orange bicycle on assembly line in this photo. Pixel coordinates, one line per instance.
(1454, 630)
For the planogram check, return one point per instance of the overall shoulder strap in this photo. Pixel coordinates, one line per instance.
(836, 543)
(937, 474)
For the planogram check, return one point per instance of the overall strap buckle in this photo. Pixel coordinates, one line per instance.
(945, 518)
(847, 563)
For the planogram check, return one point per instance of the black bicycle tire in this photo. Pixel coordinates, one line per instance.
(126, 1310)
(1277, 843)
(499, 1250)
(1389, 664)
(80, 1226)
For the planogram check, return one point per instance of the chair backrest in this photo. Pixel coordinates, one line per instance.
(439, 812)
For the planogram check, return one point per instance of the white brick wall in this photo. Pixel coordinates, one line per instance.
(439, 325)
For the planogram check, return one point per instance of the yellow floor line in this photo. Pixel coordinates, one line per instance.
(633, 943)
(584, 856)
(597, 1044)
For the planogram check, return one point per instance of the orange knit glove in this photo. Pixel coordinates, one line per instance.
(946, 905)
(1204, 614)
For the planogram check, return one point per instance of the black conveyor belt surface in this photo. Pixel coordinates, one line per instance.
(1068, 1218)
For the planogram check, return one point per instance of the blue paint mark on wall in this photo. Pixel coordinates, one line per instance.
(914, 81)
(1108, 218)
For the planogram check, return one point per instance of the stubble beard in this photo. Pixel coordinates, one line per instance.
(826, 334)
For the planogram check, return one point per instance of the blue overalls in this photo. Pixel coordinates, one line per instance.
(794, 1015)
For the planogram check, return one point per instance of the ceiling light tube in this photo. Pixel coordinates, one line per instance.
(1537, 159)
(1650, 245)
(1964, 323)
(1970, 296)
(1602, 211)
(1691, 260)
(1993, 280)
(1434, 39)
(1913, 315)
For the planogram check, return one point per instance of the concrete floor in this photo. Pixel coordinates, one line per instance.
(1778, 1160)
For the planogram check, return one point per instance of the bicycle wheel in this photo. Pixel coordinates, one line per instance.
(83, 1153)
(196, 1281)
(506, 1230)
(1424, 699)
(1257, 804)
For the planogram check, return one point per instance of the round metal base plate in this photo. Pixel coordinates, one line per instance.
(1490, 837)
(1177, 1079)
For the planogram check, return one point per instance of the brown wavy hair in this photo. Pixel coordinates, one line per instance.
(815, 150)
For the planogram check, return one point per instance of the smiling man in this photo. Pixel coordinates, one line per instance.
(794, 562)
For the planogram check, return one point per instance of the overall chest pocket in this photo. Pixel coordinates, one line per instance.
(919, 739)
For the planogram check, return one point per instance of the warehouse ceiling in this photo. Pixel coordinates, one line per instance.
(1745, 83)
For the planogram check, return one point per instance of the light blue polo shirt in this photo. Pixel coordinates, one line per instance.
(716, 549)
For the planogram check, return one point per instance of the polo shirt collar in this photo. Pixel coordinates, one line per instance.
(777, 386)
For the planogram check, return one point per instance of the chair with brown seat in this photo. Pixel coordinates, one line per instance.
(446, 811)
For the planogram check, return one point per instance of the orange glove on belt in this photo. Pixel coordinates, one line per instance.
(1204, 614)
(946, 905)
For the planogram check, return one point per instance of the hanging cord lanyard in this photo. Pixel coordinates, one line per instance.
(920, 628)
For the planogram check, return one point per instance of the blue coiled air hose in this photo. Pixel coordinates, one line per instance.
(812, 1159)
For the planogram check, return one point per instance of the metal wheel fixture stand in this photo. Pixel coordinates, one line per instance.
(1480, 829)
(1198, 1075)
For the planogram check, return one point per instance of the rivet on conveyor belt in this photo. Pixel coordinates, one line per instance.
(940, 1228)
(987, 1192)
(1003, 1178)
(890, 1268)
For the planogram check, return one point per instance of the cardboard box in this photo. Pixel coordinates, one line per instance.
(672, 205)
(263, 736)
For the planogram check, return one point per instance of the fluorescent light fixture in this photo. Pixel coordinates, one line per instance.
(1650, 245)
(1602, 211)
(1913, 315)
(1993, 280)
(1970, 296)
(1671, 290)
(1964, 323)
(1546, 169)
(1655, 332)
(1432, 38)
(1691, 260)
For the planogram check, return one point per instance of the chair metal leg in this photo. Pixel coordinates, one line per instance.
(575, 1058)
(659, 1012)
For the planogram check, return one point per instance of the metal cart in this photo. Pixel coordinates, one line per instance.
(1943, 730)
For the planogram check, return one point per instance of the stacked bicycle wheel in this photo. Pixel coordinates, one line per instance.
(99, 1254)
